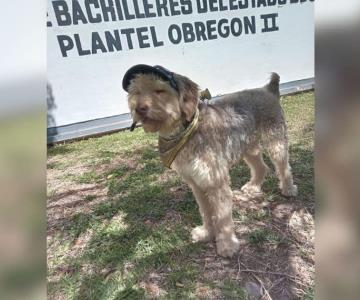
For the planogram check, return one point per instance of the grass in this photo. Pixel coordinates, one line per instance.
(260, 236)
(119, 222)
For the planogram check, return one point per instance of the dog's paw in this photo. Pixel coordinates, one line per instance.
(252, 189)
(290, 191)
(201, 234)
(228, 247)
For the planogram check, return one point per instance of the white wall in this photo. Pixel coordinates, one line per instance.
(89, 87)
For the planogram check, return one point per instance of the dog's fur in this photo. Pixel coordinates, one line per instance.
(236, 126)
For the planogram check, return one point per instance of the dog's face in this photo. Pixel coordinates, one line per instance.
(157, 105)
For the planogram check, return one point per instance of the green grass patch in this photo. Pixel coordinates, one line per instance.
(260, 236)
(87, 177)
(231, 290)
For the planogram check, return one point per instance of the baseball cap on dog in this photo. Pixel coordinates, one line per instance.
(163, 73)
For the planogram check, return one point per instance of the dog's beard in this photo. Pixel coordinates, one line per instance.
(149, 124)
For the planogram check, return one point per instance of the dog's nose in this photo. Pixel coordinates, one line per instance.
(142, 109)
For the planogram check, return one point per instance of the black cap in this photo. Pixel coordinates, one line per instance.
(145, 69)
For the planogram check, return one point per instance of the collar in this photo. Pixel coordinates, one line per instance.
(170, 147)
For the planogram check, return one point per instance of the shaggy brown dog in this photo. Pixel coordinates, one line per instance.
(202, 141)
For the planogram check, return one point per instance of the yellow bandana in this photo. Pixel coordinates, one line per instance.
(170, 147)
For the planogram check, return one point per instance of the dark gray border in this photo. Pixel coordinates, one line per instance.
(120, 122)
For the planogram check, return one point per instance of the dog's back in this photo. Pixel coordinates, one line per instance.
(261, 104)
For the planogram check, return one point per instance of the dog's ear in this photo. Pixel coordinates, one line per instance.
(189, 95)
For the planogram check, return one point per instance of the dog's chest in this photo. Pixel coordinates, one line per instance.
(204, 169)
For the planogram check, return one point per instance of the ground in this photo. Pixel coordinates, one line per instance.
(119, 224)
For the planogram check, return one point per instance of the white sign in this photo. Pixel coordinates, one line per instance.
(223, 45)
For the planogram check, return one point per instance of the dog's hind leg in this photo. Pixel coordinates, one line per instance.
(278, 151)
(258, 169)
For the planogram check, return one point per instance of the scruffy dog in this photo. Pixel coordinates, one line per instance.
(202, 141)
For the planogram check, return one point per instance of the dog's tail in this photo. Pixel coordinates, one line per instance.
(273, 85)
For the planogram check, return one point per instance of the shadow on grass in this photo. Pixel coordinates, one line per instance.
(64, 195)
(146, 239)
(149, 239)
(270, 241)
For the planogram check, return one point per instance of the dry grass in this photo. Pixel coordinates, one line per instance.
(119, 224)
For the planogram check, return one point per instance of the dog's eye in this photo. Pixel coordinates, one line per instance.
(159, 91)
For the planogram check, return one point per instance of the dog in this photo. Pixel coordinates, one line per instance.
(201, 141)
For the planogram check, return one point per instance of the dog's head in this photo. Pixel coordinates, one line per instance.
(159, 104)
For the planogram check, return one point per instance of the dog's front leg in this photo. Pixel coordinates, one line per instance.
(220, 199)
(205, 232)
(215, 205)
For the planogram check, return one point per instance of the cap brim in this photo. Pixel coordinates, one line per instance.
(145, 69)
